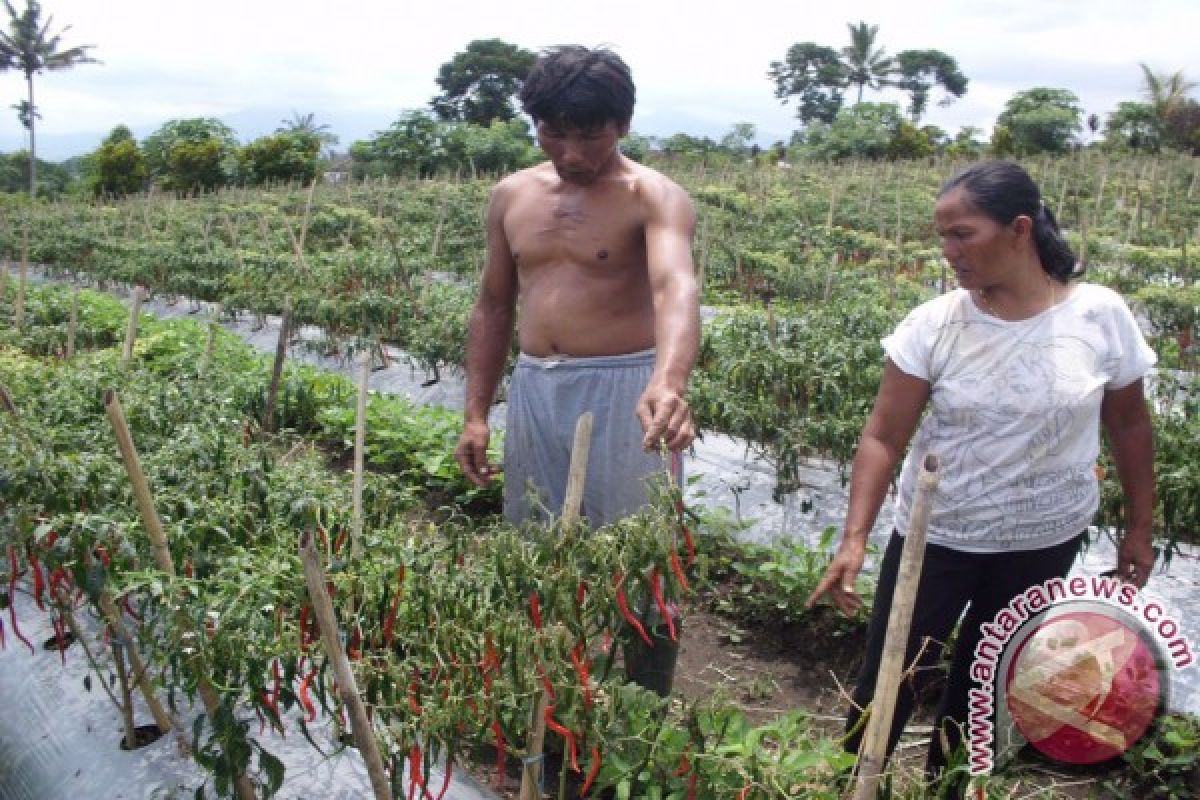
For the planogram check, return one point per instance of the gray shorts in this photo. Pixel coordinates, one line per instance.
(545, 398)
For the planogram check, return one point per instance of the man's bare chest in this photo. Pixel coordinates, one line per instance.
(556, 229)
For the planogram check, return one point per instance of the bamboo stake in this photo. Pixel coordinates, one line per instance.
(23, 278)
(72, 322)
(162, 557)
(360, 440)
(531, 774)
(135, 309)
(118, 650)
(360, 726)
(873, 754)
(285, 324)
(113, 616)
(211, 341)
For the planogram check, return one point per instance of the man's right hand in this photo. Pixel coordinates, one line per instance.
(472, 453)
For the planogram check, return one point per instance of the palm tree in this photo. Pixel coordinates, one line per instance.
(866, 65)
(29, 46)
(307, 123)
(1165, 92)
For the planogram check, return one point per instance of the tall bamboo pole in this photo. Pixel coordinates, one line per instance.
(360, 441)
(162, 557)
(135, 309)
(281, 347)
(360, 727)
(873, 755)
(531, 775)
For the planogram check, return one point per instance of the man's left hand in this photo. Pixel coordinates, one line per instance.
(665, 418)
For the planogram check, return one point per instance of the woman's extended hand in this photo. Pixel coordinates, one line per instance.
(838, 580)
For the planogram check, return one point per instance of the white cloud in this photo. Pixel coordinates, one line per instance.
(364, 60)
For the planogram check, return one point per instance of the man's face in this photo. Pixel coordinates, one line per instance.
(580, 155)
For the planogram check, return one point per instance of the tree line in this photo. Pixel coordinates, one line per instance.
(472, 125)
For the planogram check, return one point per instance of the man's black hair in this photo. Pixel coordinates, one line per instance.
(577, 87)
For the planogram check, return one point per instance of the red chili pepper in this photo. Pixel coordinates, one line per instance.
(305, 700)
(414, 775)
(51, 539)
(304, 627)
(691, 794)
(744, 793)
(129, 608)
(39, 581)
(354, 651)
(677, 568)
(657, 590)
(500, 752)
(535, 610)
(188, 571)
(340, 540)
(566, 733)
(593, 771)
(262, 722)
(277, 674)
(581, 668)
(684, 767)
(102, 554)
(690, 543)
(413, 705)
(581, 593)
(389, 621)
(623, 606)
(12, 596)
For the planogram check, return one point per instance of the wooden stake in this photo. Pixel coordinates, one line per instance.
(73, 322)
(360, 725)
(531, 774)
(135, 309)
(140, 674)
(23, 277)
(360, 440)
(285, 325)
(873, 754)
(118, 651)
(162, 557)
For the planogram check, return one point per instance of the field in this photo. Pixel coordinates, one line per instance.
(454, 625)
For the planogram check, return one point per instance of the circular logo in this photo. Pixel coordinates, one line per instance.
(1085, 684)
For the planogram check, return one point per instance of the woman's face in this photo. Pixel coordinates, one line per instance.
(981, 250)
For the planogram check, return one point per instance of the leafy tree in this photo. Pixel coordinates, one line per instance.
(14, 174)
(412, 144)
(118, 167)
(1042, 120)
(1165, 92)
(28, 46)
(815, 76)
(684, 144)
(1133, 126)
(499, 147)
(865, 130)
(479, 83)
(307, 123)
(966, 143)
(918, 71)
(637, 147)
(207, 139)
(281, 158)
(1182, 129)
(866, 65)
(740, 139)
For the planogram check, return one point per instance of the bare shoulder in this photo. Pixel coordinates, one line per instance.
(660, 196)
(516, 184)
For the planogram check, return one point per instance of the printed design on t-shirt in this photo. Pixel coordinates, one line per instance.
(1006, 412)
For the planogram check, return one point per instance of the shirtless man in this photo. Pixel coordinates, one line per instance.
(595, 251)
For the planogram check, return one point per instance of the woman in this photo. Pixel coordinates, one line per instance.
(1019, 367)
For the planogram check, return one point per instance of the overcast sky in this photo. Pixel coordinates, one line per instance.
(699, 67)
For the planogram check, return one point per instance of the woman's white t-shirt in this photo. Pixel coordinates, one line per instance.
(1014, 414)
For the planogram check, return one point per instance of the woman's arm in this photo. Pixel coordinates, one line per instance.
(885, 437)
(1126, 420)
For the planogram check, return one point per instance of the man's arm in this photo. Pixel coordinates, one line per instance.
(489, 334)
(663, 408)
